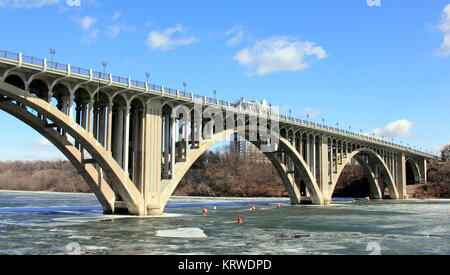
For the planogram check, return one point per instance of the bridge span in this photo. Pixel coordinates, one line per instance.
(133, 142)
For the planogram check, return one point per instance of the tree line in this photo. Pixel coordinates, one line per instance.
(222, 173)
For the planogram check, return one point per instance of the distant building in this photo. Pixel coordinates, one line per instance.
(247, 150)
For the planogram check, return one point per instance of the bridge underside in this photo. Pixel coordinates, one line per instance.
(133, 149)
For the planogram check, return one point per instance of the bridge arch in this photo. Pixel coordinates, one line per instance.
(413, 174)
(100, 158)
(283, 144)
(375, 169)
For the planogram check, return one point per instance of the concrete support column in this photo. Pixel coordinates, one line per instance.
(109, 128)
(50, 96)
(336, 157)
(102, 132)
(423, 166)
(152, 155)
(91, 116)
(185, 143)
(314, 157)
(84, 115)
(331, 163)
(401, 177)
(166, 145)
(308, 152)
(301, 146)
(95, 128)
(126, 146)
(325, 172)
(173, 145)
(70, 106)
(394, 169)
(119, 136)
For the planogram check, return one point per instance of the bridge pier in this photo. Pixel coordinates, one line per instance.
(401, 177)
(153, 129)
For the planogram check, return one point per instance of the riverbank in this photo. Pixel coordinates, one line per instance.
(213, 175)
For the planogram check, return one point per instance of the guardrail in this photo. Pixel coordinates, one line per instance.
(18, 57)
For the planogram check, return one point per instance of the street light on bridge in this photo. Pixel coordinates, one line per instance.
(148, 76)
(52, 52)
(184, 85)
(104, 64)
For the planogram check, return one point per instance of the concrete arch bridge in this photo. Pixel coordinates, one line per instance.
(133, 142)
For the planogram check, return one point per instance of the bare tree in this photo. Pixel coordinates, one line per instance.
(445, 153)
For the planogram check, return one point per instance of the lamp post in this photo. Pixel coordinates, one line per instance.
(323, 122)
(148, 76)
(104, 64)
(215, 93)
(184, 85)
(52, 52)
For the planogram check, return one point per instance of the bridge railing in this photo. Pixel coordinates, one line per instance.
(152, 87)
(33, 60)
(80, 71)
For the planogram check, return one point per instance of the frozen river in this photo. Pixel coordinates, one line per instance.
(51, 223)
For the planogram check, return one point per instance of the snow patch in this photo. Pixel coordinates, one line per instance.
(182, 233)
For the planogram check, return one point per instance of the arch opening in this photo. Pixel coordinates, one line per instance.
(374, 170)
(353, 183)
(412, 172)
(87, 171)
(15, 80)
(283, 154)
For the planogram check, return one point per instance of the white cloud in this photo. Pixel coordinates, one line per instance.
(164, 40)
(279, 53)
(87, 22)
(444, 27)
(116, 15)
(114, 30)
(27, 4)
(73, 3)
(313, 113)
(42, 142)
(91, 37)
(238, 35)
(399, 128)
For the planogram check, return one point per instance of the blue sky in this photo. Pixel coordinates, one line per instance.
(382, 68)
